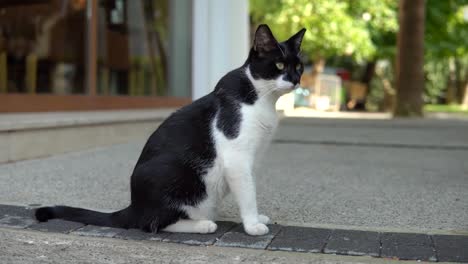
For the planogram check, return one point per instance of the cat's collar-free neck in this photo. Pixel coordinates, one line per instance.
(267, 90)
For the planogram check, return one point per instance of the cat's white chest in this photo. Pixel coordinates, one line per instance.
(259, 122)
(257, 125)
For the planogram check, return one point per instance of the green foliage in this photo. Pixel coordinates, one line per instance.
(382, 26)
(334, 27)
(446, 30)
(446, 39)
(436, 71)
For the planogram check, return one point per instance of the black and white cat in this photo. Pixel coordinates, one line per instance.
(207, 149)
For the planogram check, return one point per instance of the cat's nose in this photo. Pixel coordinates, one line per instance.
(295, 80)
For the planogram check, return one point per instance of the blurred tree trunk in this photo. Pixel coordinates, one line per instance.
(369, 72)
(450, 94)
(410, 59)
(459, 81)
(366, 79)
(465, 93)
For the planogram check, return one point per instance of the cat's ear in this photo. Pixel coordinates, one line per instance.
(264, 40)
(296, 40)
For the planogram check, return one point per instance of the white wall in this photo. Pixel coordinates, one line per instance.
(179, 70)
(220, 41)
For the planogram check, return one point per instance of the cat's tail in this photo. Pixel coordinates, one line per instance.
(119, 219)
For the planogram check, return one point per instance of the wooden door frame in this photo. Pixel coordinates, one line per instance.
(48, 102)
(32, 102)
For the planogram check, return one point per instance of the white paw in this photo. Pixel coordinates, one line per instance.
(257, 229)
(263, 219)
(206, 227)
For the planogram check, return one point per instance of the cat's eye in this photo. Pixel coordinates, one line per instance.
(280, 66)
(298, 67)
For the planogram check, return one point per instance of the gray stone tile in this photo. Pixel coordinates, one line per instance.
(16, 221)
(56, 225)
(13, 210)
(97, 231)
(407, 246)
(238, 238)
(34, 205)
(301, 239)
(451, 248)
(352, 242)
(137, 234)
(201, 239)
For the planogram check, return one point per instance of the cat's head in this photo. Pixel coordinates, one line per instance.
(275, 65)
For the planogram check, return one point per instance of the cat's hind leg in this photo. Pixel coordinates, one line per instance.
(200, 220)
(192, 226)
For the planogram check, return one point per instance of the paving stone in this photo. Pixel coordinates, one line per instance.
(407, 246)
(97, 231)
(238, 238)
(34, 205)
(201, 239)
(352, 242)
(301, 239)
(56, 225)
(16, 221)
(12, 210)
(137, 234)
(451, 247)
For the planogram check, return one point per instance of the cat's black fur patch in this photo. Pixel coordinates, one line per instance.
(169, 172)
(231, 91)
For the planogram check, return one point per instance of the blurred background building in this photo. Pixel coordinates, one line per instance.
(116, 54)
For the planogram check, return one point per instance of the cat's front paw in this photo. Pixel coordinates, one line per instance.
(206, 227)
(264, 219)
(257, 229)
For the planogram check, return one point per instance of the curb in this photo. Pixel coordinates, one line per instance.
(399, 246)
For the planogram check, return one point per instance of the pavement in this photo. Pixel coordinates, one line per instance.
(24, 247)
(41, 120)
(373, 175)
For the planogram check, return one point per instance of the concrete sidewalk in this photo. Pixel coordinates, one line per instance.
(21, 246)
(358, 174)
